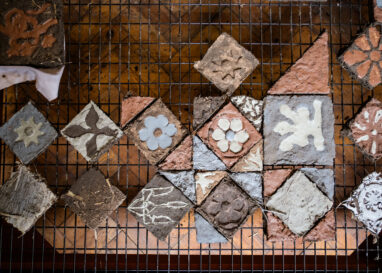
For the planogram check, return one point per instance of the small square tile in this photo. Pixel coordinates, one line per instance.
(365, 129)
(28, 133)
(156, 131)
(229, 135)
(227, 207)
(24, 198)
(299, 203)
(365, 203)
(298, 130)
(159, 207)
(227, 64)
(363, 58)
(92, 132)
(32, 33)
(93, 198)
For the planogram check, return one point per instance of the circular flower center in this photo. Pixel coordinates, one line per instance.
(375, 55)
(28, 131)
(374, 132)
(158, 132)
(230, 135)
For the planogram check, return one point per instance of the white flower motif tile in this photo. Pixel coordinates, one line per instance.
(28, 133)
(298, 130)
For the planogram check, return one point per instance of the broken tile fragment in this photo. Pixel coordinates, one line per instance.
(91, 132)
(365, 203)
(365, 129)
(205, 182)
(159, 207)
(156, 132)
(226, 64)
(227, 207)
(204, 108)
(310, 74)
(251, 183)
(24, 198)
(364, 57)
(273, 179)
(252, 161)
(206, 233)
(184, 181)
(229, 135)
(298, 130)
(93, 198)
(299, 203)
(28, 133)
(180, 159)
(132, 106)
(204, 159)
(252, 109)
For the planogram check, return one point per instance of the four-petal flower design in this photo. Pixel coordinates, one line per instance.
(230, 135)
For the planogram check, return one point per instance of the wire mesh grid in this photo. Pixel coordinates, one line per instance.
(148, 48)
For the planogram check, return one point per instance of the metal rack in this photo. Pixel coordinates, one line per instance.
(148, 48)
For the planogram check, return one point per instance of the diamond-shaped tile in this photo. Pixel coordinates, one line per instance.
(156, 131)
(24, 198)
(365, 129)
(365, 202)
(227, 64)
(28, 133)
(229, 135)
(92, 132)
(93, 198)
(363, 58)
(227, 207)
(298, 130)
(299, 203)
(159, 206)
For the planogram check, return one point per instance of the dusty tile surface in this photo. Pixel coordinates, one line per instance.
(180, 159)
(24, 198)
(229, 135)
(92, 132)
(204, 108)
(28, 133)
(159, 206)
(365, 202)
(132, 106)
(363, 58)
(365, 130)
(298, 130)
(203, 158)
(251, 183)
(227, 207)
(184, 181)
(206, 233)
(226, 64)
(310, 74)
(156, 131)
(93, 198)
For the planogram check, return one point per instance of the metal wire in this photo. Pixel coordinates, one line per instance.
(148, 48)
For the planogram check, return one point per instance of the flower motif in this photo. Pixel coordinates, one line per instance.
(157, 132)
(364, 58)
(367, 129)
(230, 135)
(28, 132)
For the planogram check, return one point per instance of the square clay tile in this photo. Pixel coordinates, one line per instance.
(24, 198)
(93, 198)
(229, 135)
(227, 207)
(226, 64)
(28, 133)
(296, 202)
(92, 132)
(156, 131)
(365, 203)
(298, 130)
(32, 33)
(363, 59)
(159, 207)
(365, 129)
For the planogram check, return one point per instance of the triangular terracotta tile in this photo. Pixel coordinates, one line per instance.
(310, 74)
(273, 180)
(180, 159)
(132, 106)
(325, 230)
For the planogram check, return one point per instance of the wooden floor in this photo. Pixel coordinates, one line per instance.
(149, 50)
